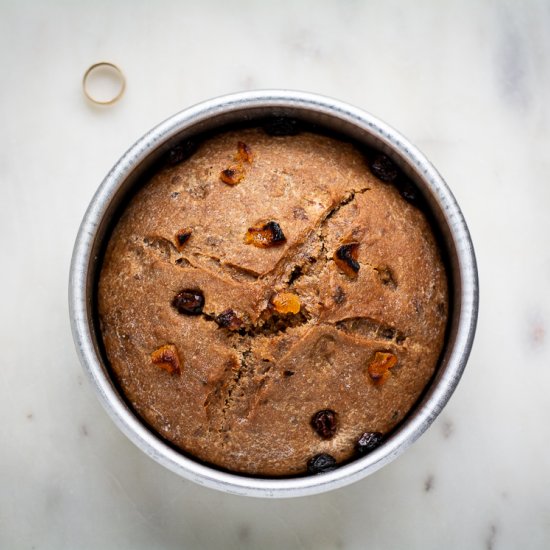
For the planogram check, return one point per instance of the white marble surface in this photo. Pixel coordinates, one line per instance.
(467, 81)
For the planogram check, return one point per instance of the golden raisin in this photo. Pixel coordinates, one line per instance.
(244, 154)
(345, 258)
(286, 302)
(379, 367)
(166, 357)
(235, 174)
(265, 235)
(182, 236)
(232, 176)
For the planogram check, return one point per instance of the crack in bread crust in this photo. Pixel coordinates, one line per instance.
(270, 323)
(366, 327)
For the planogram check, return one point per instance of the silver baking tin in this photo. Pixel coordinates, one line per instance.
(343, 118)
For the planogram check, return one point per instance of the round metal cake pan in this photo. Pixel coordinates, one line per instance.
(245, 108)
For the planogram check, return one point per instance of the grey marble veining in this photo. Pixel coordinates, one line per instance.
(468, 82)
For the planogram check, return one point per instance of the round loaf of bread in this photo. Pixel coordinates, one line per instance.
(269, 300)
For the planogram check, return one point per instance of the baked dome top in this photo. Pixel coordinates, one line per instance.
(269, 300)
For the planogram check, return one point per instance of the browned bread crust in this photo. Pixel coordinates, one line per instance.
(239, 382)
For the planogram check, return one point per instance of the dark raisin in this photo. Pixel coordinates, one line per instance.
(321, 463)
(229, 319)
(189, 301)
(383, 168)
(368, 442)
(282, 126)
(408, 191)
(182, 237)
(296, 273)
(324, 423)
(288, 373)
(276, 232)
(181, 152)
(346, 258)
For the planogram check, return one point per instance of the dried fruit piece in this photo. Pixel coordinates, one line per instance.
(296, 273)
(181, 152)
(408, 191)
(244, 153)
(383, 168)
(321, 463)
(232, 175)
(345, 258)
(189, 301)
(324, 423)
(236, 173)
(229, 319)
(182, 236)
(282, 126)
(379, 367)
(166, 357)
(368, 442)
(286, 302)
(265, 235)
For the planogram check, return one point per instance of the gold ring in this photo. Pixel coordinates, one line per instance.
(120, 76)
